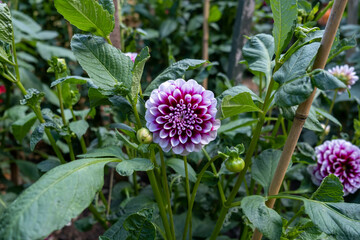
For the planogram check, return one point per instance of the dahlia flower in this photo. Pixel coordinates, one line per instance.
(340, 158)
(181, 116)
(346, 74)
(131, 55)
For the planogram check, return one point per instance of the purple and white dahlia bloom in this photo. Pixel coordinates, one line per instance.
(181, 116)
(340, 158)
(346, 74)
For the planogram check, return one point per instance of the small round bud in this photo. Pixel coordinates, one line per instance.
(235, 164)
(144, 136)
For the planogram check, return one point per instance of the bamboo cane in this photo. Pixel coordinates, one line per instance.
(205, 43)
(302, 111)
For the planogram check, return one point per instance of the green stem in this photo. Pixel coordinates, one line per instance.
(330, 4)
(62, 112)
(108, 40)
(277, 125)
(260, 84)
(167, 192)
(323, 135)
(137, 118)
(249, 154)
(38, 114)
(299, 213)
(187, 187)
(220, 187)
(103, 199)
(98, 216)
(193, 195)
(160, 203)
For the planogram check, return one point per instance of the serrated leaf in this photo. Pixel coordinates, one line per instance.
(6, 30)
(258, 53)
(137, 72)
(61, 194)
(297, 64)
(264, 166)
(330, 190)
(4, 56)
(173, 72)
(294, 92)
(326, 81)
(263, 218)
(22, 126)
(107, 66)
(87, 15)
(127, 167)
(343, 45)
(285, 16)
(139, 228)
(231, 106)
(177, 165)
(79, 127)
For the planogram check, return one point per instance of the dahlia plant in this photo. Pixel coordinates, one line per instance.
(188, 164)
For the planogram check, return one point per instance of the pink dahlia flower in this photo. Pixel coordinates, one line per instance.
(181, 116)
(346, 74)
(131, 55)
(340, 158)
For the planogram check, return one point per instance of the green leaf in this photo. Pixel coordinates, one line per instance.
(294, 92)
(33, 98)
(87, 15)
(178, 166)
(239, 89)
(107, 66)
(51, 202)
(340, 220)
(4, 57)
(297, 64)
(127, 167)
(22, 126)
(311, 123)
(330, 190)
(28, 169)
(285, 16)
(48, 164)
(264, 166)
(25, 23)
(47, 51)
(263, 218)
(343, 45)
(327, 115)
(79, 127)
(111, 151)
(108, 5)
(167, 27)
(215, 14)
(6, 30)
(326, 81)
(305, 149)
(173, 72)
(36, 136)
(137, 72)
(231, 106)
(258, 53)
(71, 80)
(139, 227)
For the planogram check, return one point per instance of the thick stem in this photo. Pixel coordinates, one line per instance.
(304, 108)
(97, 216)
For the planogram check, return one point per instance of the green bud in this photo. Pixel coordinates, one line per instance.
(144, 136)
(235, 164)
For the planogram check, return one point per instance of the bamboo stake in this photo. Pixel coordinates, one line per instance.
(205, 44)
(302, 111)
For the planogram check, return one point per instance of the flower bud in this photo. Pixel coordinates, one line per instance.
(235, 164)
(144, 136)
